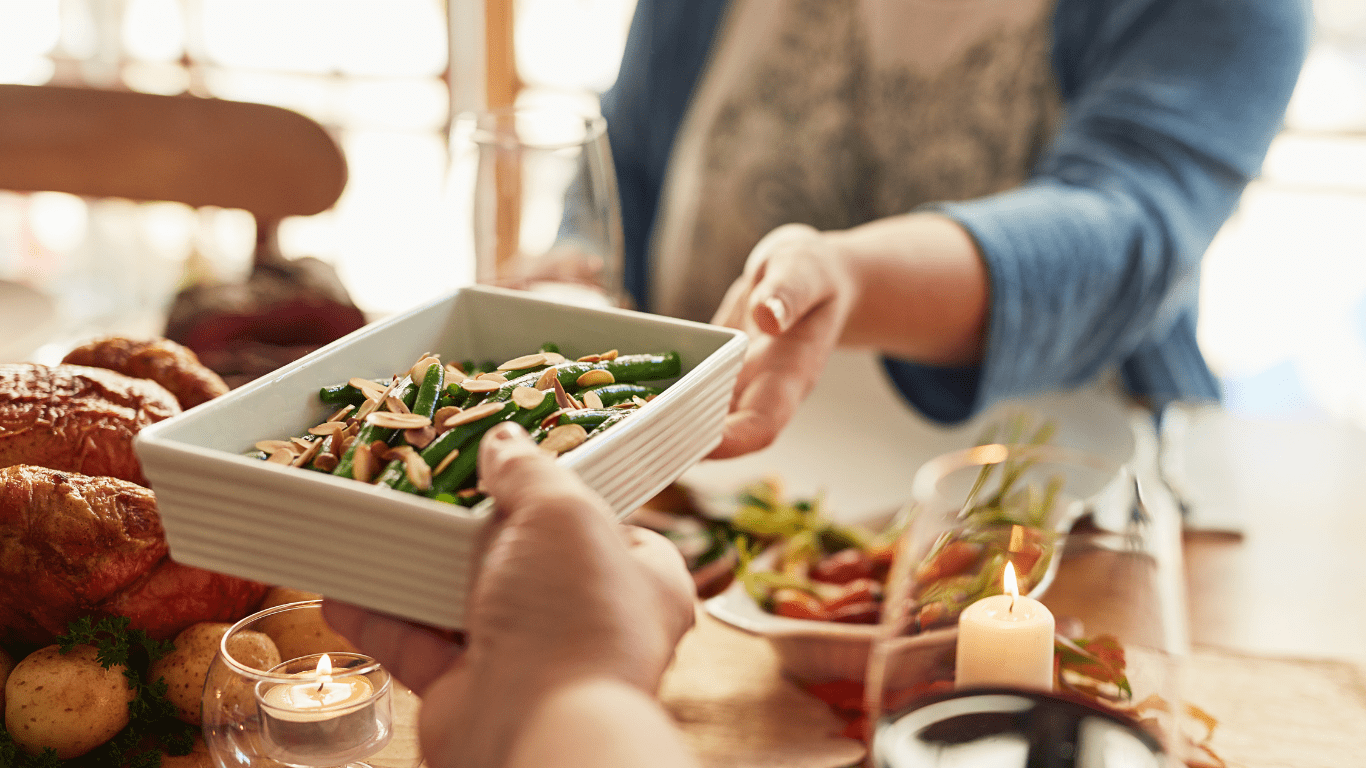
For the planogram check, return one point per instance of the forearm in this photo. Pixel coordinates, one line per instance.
(511, 714)
(599, 723)
(921, 289)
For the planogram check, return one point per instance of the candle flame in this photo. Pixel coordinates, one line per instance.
(325, 671)
(1011, 585)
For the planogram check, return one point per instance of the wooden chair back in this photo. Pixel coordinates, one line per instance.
(94, 143)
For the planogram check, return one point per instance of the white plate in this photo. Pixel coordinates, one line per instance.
(27, 317)
(400, 553)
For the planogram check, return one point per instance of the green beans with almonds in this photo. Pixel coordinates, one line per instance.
(461, 469)
(369, 433)
(428, 447)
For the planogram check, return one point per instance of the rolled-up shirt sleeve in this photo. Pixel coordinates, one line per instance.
(1094, 262)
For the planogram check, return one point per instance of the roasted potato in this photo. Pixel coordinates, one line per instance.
(67, 702)
(186, 668)
(301, 632)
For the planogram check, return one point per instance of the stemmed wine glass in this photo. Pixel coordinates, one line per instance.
(538, 190)
(1101, 564)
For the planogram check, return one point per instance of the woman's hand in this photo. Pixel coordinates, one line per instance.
(794, 300)
(565, 595)
(912, 286)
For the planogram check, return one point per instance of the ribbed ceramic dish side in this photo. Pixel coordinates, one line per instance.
(399, 553)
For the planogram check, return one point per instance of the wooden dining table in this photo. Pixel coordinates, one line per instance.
(1273, 515)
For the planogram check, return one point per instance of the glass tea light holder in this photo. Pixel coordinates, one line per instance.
(327, 707)
(325, 715)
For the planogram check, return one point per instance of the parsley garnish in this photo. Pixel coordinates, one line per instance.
(152, 725)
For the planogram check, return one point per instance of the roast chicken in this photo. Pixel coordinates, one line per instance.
(73, 545)
(79, 533)
(77, 419)
(167, 363)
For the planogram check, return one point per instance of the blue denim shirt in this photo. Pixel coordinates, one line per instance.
(1094, 261)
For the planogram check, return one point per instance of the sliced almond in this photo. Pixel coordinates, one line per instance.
(550, 420)
(395, 405)
(421, 437)
(595, 377)
(564, 437)
(446, 462)
(401, 452)
(366, 408)
(472, 414)
(525, 361)
(466, 493)
(281, 457)
(589, 359)
(610, 354)
(562, 397)
(498, 377)
(372, 389)
(553, 358)
(576, 403)
(353, 430)
(443, 413)
(455, 374)
(591, 399)
(419, 370)
(339, 448)
(300, 444)
(363, 464)
(527, 398)
(390, 420)
(624, 406)
(342, 413)
(419, 474)
(275, 446)
(326, 462)
(639, 401)
(327, 428)
(479, 385)
(389, 390)
(549, 375)
(304, 458)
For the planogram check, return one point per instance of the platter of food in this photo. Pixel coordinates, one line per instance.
(816, 587)
(104, 638)
(235, 498)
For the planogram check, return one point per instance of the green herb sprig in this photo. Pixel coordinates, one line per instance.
(152, 726)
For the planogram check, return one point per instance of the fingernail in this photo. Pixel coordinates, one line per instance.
(779, 310)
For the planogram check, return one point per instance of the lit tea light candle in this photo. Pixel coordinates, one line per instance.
(306, 698)
(1005, 640)
(328, 718)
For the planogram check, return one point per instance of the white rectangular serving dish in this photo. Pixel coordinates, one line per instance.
(404, 554)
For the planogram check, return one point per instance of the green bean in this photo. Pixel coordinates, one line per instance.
(370, 433)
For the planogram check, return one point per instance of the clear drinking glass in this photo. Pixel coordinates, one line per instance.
(541, 195)
(303, 711)
(1092, 556)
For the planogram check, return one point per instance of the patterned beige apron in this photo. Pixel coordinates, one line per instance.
(837, 112)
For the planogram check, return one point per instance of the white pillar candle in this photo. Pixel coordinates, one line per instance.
(1005, 640)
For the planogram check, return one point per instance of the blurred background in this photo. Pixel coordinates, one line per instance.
(1284, 292)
